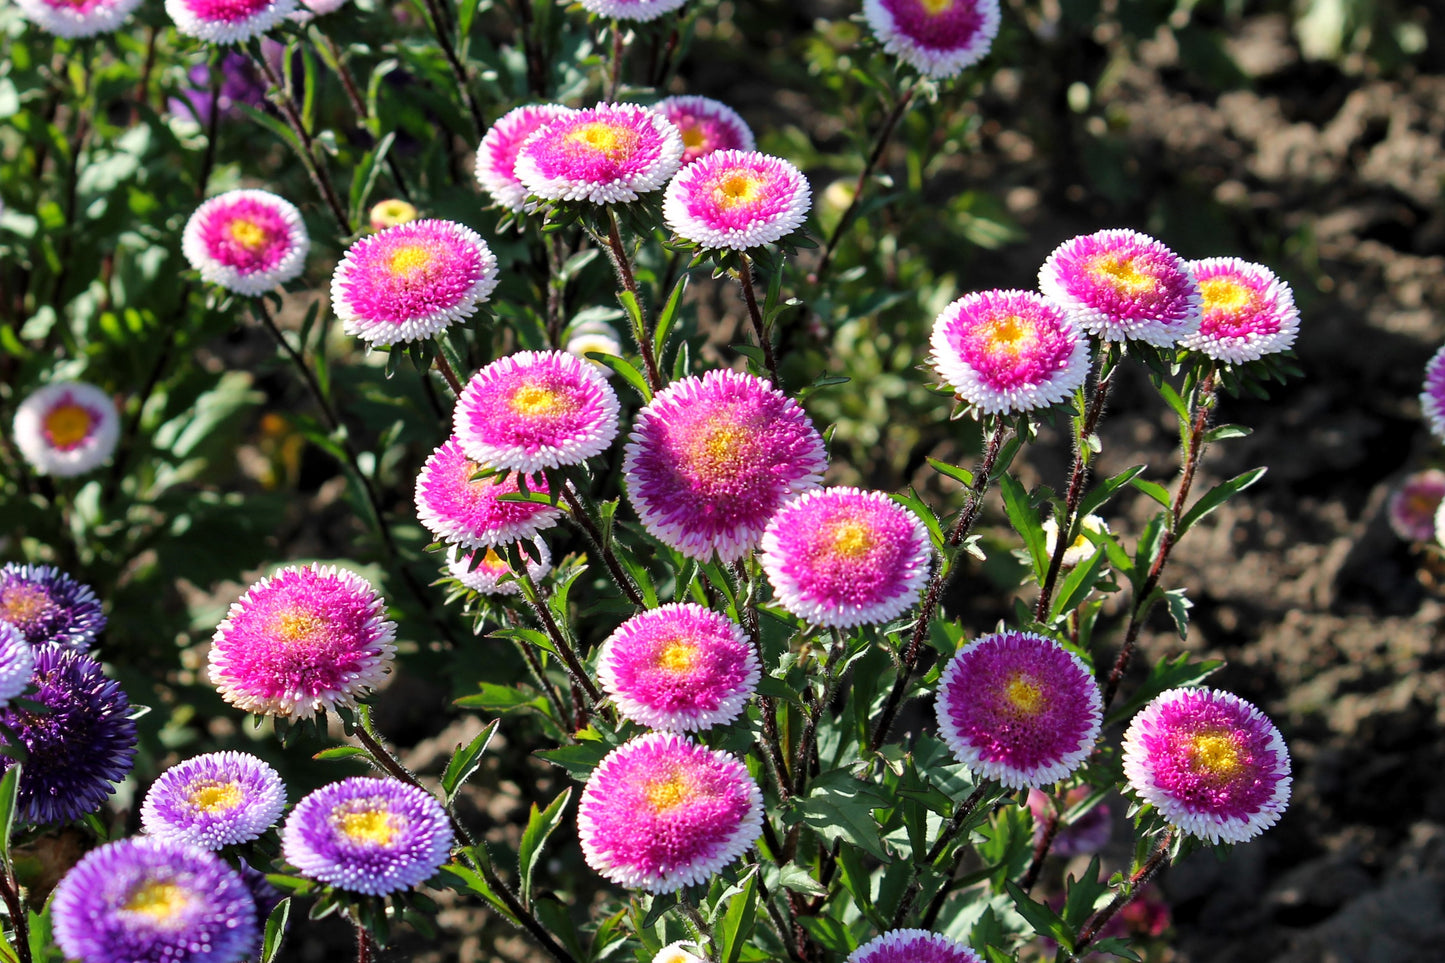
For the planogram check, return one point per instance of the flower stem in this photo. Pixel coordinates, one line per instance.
(358, 107)
(614, 66)
(955, 825)
(560, 641)
(1041, 848)
(534, 664)
(19, 917)
(536, 64)
(448, 372)
(441, 29)
(760, 327)
(640, 331)
(1137, 882)
(807, 742)
(584, 520)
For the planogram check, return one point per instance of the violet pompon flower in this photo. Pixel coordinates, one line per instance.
(364, 835)
(706, 125)
(301, 642)
(608, 154)
(462, 510)
(1247, 312)
(1120, 285)
(913, 946)
(496, 166)
(1432, 396)
(67, 428)
(736, 199)
(214, 800)
(48, 606)
(937, 37)
(17, 660)
(241, 84)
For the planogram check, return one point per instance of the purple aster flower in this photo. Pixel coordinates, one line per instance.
(146, 900)
(463, 510)
(78, 748)
(227, 21)
(706, 125)
(1414, 504)
(638, 10)
(607, 154)
(17, 661)
(1247, 311)
(246, 241)
(408, 282)
(1008, 351)
(844, 557)
(302, 641)
(47, 605)
(1120, 285)
(736, 199)
(1087, 834)
(1019, 708)
(241, 84)
(1432, 398)
(534, 410)
(937, 37)
(67, 428)
(364, 835)
(913, 946)
(679, 667)
(492, 575)
(662, 812)
(1211, 763)
(77, 18)
(711, 459)
(215, 800)
(496, 166)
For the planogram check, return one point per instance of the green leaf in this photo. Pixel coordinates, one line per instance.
(540, 825)
(339, 752)
(466, 760)
(1179, 607)
(1153, 489)
(502, 698)
(274, 126)
(961, 475)
(275, 930)
(1025, 520)
(579, 760)
(840, 807)
(363, 182)
(1175, 673)
(1218, 495)
(735, 930)
(797, 879)
(1078, 584)
(629, 373)
(1044, 920)
(668, 317)
(1084, 894)
(469, 880)
(9, 787)
(925, 514)
(1227, 431)
(1091, 502)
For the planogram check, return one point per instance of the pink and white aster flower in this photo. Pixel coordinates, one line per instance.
(411, 281)
(1019, 708)
(496, 166)
(736, 199)
(67, 428)
(302, 641)
(228, 21)
(1120, 285)
(1248, 312)
(492, 574)
(711, 459)
(463, 510)
(638, 10)
(606, 154)
(1211, 763)
(706, 125)
(662, 812)
(77, 18)
(680, 667)
(1009, 351)
(1432, 395)
(246, 241)
(844, 557)
(937, 37)
(534, 410)
(913, 946)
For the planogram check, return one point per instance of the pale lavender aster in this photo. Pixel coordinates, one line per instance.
(17, 660)
(460, 509)
(937, 37)
(1087, 834)
(48, 606)
(1432, 397)
(636, 10)
(214, 800)
(1211, 763)
(706, 125)
(67, 428)
(1120, 285)
(737, 200)
(496, 165)
(913, 946)
(1247, 311)
(608, 154)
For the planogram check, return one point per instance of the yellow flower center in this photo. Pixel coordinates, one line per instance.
(1122, 273)
(67, 425)
(666, 794)
(409, 259)
(215, 797)
(851, 539)
(1010, 336)
(294, 626)
(248, 234)
(536, 400)
(159, 901)
(1217, 753)
(612, 140)
(1225, 295)
(715, 452)
(935, 7)
(374, 827)
(22, 604)
(1024, 693)
(678, 656)
(693, 137)
(739, 187)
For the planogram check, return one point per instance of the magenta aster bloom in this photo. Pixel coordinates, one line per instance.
(497, 156)
(711, 459)
(1019, 708)
(736, 199)
(410, 281)
(1009, 351)
(67, 428)
(937, 37)
(463, 510)
(1211, 763)
(227, 21)
(302, 641)
(78, 748)
(48, 606)
(913, 946)
(679, 667)
(1247, 311)
(534, 410)
(1413, 506)
(364, 835)
(706, 125)
(490, 576)
(662, 812)
(246, 241)
(77, 18)
(606, 154)
(844, 557)
(147, 900)
(1120, 285)
(215, 800)
(638, 10)
(17, 660)
(1432, 398)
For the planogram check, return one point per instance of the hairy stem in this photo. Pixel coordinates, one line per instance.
(760, 327)
(320, 179)
(1141, 878)
(584, 520)
(640, 329)
(15, 906)
(441, 29)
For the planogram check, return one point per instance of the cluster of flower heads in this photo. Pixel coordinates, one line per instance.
(67, 428)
